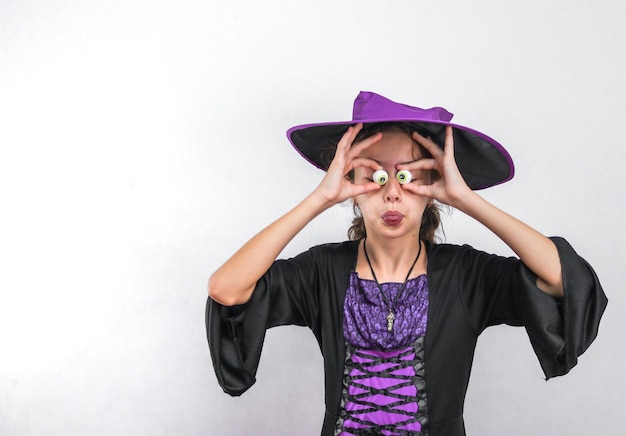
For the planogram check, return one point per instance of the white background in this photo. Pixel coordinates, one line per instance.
(142, 142)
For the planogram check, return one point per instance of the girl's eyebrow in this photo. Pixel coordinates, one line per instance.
(399, 163)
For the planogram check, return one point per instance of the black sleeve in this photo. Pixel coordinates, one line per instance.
(503, 290)
(286, 294)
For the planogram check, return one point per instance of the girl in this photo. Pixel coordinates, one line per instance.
(397, 315)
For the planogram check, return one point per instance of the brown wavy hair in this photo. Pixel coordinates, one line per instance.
(431, 218)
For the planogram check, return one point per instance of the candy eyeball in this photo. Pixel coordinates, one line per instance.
(404, 177)
(380, 177)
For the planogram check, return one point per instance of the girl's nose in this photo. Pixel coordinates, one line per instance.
(392, 190)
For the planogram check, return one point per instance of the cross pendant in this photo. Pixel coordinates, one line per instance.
(390, 318)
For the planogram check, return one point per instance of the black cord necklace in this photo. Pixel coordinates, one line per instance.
(390, 315)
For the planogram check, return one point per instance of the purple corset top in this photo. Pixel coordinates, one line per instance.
(365, 313)
(381, 393)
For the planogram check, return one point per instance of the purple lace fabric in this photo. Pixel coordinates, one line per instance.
(365, 313)
(384, 390)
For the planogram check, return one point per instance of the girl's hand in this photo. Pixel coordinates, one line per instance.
(449, 187)
(336, 186)
(536, 251)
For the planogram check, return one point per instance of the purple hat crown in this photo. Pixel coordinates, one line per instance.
(372, 106)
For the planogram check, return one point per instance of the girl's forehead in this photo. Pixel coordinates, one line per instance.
(393, 148)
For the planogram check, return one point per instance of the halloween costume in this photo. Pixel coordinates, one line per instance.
(399, 362)
(468, 290)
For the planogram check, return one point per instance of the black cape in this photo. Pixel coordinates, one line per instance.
(469, 290)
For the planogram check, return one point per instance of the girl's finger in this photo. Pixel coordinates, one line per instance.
(366, 187)
(343, 146)
(428, 144)
(348, 137)
(448, 144)
(420, 164)
(360, 146)
(363, 162)
(417, 189)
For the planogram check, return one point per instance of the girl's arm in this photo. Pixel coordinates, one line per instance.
(534, 249)
(234, 282)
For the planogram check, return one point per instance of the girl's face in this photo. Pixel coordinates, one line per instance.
(392, 211)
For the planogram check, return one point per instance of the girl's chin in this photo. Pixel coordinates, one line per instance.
(395, 231)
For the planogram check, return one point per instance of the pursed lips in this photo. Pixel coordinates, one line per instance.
(392, 217)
